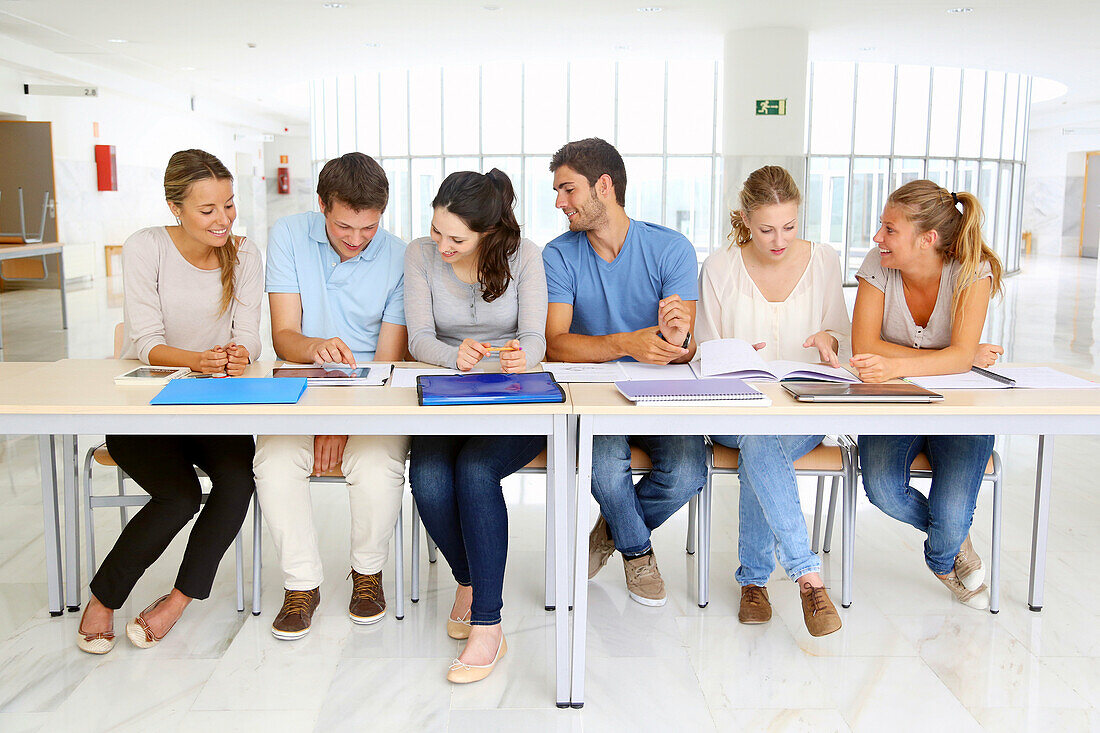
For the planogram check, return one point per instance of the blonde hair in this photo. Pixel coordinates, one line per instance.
(931, 207)
(765, 186)
(185, 168)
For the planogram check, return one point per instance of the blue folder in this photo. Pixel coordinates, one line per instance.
(231, 391)
(488, 389)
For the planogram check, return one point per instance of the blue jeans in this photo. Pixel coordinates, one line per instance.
(771, 518)
(679, 472)
(945, 515)
(455, 481)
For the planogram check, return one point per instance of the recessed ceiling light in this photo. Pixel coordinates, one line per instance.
(622, 47)
(251, 45)
(372, 44)
(333, 6)
(491, 8)
(866, 48)
(187, 68)
(650, 9)
(117, 40)
(961, 10)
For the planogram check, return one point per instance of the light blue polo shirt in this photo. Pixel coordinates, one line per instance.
(348, 299)
(620, 296)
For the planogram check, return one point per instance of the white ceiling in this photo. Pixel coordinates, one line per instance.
(298, 40)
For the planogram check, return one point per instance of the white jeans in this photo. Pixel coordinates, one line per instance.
(374, 467)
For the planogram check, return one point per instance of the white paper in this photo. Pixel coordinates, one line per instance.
(585, 372)
(635, 370)
(737, 358)
(966, 380)
(1043, 378)
(406, 376)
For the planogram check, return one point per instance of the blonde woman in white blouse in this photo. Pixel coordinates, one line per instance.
(783, 295)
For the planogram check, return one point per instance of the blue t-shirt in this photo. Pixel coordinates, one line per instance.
(620, 296)
(348, 300)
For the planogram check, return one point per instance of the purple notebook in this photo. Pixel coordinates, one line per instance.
(717, 389)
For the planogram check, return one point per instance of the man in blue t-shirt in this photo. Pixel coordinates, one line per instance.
(335, 281)
(622, 289)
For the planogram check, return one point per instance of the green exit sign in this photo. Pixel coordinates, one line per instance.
(771, 106)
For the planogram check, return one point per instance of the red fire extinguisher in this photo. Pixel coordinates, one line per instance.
(284, 180)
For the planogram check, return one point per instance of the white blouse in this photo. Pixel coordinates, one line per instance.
(732, 306)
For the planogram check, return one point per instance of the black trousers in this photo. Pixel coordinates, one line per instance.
(164, 466)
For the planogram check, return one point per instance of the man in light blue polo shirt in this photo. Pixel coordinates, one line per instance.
(622, 289)
(334, 281)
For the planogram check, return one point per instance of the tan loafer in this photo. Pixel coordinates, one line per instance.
(818, 611)
(98, 643)
(462, 673)
(138, 631)
(755, 606)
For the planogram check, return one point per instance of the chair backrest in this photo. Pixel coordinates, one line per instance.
(119, 333)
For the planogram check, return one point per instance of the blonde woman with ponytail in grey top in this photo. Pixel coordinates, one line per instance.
(920, 309)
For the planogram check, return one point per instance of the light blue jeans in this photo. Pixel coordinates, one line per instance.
(632, 511)
(771, 521)
(945, 515)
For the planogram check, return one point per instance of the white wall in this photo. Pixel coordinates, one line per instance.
(301, 197)
(1053, 189)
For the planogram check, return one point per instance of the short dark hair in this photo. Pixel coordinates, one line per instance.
(592, 158)
(356, 180)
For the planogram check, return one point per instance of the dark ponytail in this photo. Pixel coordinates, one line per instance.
(484, 203)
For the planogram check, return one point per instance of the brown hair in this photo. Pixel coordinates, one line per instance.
(186, 168)
(931, 207)
(355, 180)
(484, 203)
(592, 158)
(765, 186)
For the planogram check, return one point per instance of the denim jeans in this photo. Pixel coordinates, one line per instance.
(455, 481)
(679, 472)
(771, 520)
(945, 515)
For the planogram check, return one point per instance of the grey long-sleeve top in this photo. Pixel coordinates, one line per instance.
(441, 310)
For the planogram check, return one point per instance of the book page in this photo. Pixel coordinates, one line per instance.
(801, 369)
(723, 356)
(585, 372)
(636, 371)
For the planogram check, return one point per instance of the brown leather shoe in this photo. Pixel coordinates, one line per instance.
(600, 547)
(755, 606)
(818, 611)
(368, 603)
(295, 616)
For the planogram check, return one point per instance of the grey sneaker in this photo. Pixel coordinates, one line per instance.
(600, 547)
(968, 566)
(977, 598)
(643, 580)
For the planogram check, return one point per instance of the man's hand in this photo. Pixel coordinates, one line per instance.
(513, 362)
(826, 345)
(646, 345)
(673, 319)
(213, 361)
(470, 352)
(238, 359)
(328, 452)
(873, 368)
(333, 351)
(987, 355)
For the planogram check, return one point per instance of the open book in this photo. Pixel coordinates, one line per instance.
(737, 358)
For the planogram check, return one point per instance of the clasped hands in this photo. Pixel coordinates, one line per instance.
(661, 344)
(230, 360)
(512, 360)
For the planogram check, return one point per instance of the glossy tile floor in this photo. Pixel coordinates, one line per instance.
(908, 657)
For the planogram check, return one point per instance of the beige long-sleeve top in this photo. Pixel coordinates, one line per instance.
(732, 306)
(169, 301)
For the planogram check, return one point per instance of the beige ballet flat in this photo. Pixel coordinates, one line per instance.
(459, 628)
(98, 643)
(138, 631)
(463, 673)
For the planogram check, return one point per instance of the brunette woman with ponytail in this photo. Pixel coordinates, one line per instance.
(192, 299)
(920, 309)
(473, 286)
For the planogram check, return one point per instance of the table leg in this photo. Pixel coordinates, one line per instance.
(550, 592)
(51, 527)
(61, 278)
(70, 481)
(1043, 469)
(557, 476)
(848, 542)
(580, 559)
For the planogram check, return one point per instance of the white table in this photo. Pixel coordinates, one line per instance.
(601, 410)
(61, 400)
(19, 251)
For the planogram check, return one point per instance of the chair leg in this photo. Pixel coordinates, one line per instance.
(816, 535)
(257, 553)
(848, 512)
(703, 548)
(238, 547)
(399, 563)
(433, 554)
(833, 493)
(89, 525)
(549, 591)
(995, 560)
(120, 479)
(693, 508)
(414, 570)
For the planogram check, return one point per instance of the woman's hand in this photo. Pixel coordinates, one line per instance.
(470, 352)
(513, 361)
(238, 359)
(212, 361)
(987, 355)
(328, 452)
(873, 368)
(826, 345)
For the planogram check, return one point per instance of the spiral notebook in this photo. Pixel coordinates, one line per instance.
(718, 390)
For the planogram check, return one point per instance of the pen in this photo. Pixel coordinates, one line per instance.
(504, 348)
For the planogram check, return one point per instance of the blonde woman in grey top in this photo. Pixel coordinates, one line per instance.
(192, 299)
(473, 286)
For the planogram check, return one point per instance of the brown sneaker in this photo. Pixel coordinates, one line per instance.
(296, 614)
(755, 606)
(368, 604)
(977, 598)
(968, 566)
(643, 580)
(600, 547)
(818, 611)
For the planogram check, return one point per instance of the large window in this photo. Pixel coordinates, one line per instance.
(425, 123)
(874, 127)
